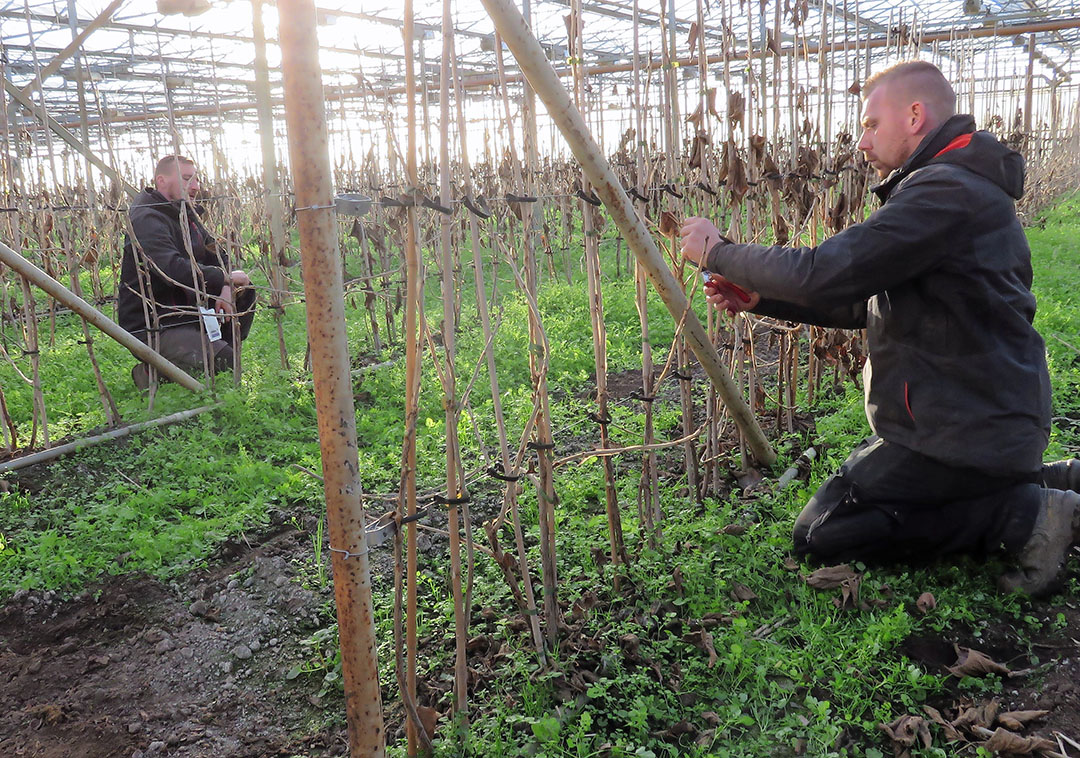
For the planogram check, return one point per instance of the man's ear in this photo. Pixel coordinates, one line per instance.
(917, 117)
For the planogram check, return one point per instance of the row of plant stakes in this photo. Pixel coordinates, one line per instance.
(455, 224)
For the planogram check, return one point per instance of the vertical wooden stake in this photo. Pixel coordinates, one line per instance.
(324, 292)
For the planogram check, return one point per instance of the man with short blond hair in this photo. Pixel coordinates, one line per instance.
(956, 382)
(173, 270)
(917, 81)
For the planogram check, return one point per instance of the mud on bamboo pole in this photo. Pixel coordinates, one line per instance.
(308, 142)
(530, 56)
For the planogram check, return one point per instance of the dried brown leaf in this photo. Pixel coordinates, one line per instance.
(830, 577)
(710, 98)
(669, 224)
(705, 738)
(695, 31)
(584, 604)
(771, 43)
(740, 591)
(479, 643)
(1004, 741)
(677, 730)
(849, 593)
(696, 118)
(735, 530)
(1017, 720)
(749, 478)
(951, 733)
(697, 149)
(736, 107)
(791, 564)
(428, 717)
(905, 731)
(703, 640)
(677, 580)
(971, 662)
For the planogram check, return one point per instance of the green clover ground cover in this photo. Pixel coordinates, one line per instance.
(788, 673)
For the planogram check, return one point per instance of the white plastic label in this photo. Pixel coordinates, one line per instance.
(210, 324)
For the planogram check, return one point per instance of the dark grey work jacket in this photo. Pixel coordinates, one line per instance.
(156, 223)
(940, 277)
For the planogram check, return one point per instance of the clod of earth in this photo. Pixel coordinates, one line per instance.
(926, 603)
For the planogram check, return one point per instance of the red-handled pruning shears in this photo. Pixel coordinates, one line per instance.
(716, 284)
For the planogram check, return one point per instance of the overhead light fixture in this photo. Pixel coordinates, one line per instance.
(187, 7)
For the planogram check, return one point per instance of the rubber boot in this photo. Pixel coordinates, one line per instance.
(1042, 558)
(1062, 475)
(140, 375)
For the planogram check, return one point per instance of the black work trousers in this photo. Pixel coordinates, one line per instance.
(186, 344)
(888, 503)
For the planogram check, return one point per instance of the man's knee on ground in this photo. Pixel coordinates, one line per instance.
(223, 359)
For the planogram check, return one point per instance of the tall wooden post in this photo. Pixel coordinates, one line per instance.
(324, 291)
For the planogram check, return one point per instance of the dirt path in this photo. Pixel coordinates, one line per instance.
(139, 668)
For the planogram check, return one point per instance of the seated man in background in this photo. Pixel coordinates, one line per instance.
(956, 381)
(162, 284)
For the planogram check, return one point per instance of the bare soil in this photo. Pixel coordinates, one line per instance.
(135, 667)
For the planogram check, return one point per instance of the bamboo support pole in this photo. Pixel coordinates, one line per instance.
(112, 414)
(43, 456)
(33, 349)
(65, 297)
(1028, 87)
(308, 140)
(530, 56)
(649, 513)
(454, 487)
(414, 733)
